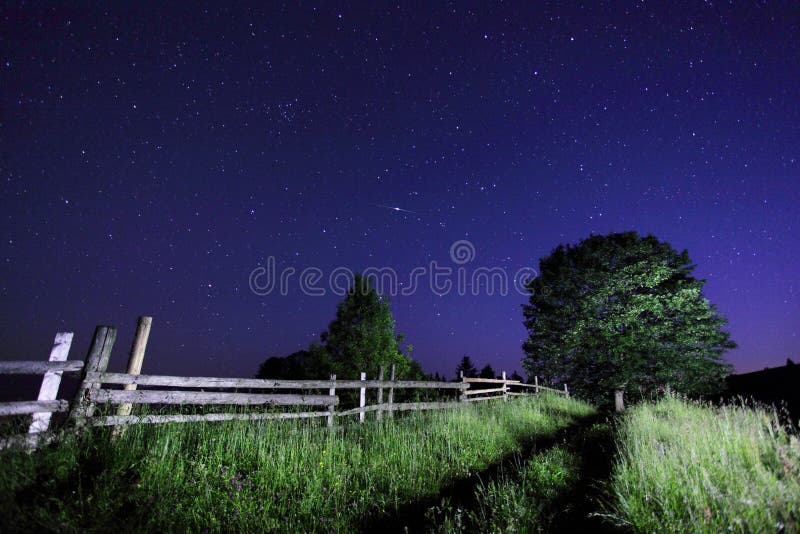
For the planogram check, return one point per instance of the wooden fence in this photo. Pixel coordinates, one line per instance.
(266, 398)
(47, 402)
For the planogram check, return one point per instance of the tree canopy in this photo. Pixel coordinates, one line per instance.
(487, 372)
(301, 365)
(623, 313)
(362, 336)
(467, 368)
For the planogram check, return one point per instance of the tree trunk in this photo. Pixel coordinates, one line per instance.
(619, 400)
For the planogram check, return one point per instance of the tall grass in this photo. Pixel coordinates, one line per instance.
(689, 467)
(538, 493)
(520, 499)
(263, 476)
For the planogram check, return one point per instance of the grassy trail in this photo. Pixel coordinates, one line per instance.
(552, 485)
(577, 510)
(431, 512)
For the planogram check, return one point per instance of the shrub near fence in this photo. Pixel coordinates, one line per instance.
(99, 387)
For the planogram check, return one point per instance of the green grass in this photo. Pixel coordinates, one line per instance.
(263, 476)
(521, 499)
(540, 493)
(689, 467)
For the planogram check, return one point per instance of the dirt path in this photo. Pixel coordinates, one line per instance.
(576, 511)
(572, 511)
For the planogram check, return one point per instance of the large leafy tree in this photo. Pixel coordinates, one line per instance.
(622, 313)
(362, 336)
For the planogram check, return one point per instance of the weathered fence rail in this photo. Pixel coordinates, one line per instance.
(33, 407)
(265, 398)
(37, 368)
(260, 383)
(205, 398)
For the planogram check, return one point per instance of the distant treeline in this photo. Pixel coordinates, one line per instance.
(779, 386)
(313, 364)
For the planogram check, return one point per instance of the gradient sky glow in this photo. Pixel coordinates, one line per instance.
(152, 156)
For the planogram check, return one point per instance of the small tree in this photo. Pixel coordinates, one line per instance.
(487, 372)
(466, 368)
(622, 313)
(362, 336)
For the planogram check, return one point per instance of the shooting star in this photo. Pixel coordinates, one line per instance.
(393, 208)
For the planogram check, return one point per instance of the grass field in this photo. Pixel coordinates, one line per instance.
(688, 467)
(280, 476)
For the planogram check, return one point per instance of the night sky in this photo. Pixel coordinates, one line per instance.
(153, 156)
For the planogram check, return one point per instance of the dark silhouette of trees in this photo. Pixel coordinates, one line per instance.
(360, 338)
(301, 365)
(466, 367)
(487, 372)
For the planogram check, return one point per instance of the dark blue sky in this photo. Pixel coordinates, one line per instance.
(153, 156)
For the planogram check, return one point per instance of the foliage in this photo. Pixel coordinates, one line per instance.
(414, 372)
(301, 365)
(466, 367)
(239, 476)
(362, 336)
(487, 372)
(623, 312)
(690, 467)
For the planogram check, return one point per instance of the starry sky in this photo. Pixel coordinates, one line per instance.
(153, 156)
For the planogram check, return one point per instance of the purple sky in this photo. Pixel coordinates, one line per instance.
(153, 156)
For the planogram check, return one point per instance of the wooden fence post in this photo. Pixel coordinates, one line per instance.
(52, 380)
(136, 358)
(96, 362)
(535, 384)
(332, 407)
(462, 397)
(619, 400)
(391, 393)
(379, 412)
(566, 391)
(362, 400)
(505, 388)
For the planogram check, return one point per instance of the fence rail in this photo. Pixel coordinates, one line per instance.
(29, 407)
(261, 383)
(37, 368)
(485, 391)
(125, 420)
(99, 387)
(207, 398)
